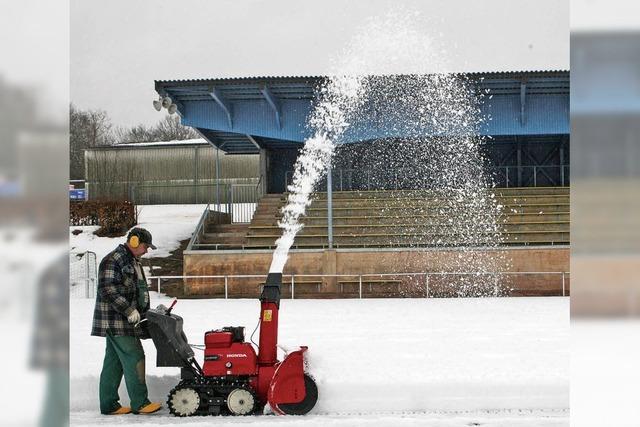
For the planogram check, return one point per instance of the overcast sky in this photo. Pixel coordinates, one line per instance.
(119, 47)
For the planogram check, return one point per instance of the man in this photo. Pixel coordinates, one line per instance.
(121, 301)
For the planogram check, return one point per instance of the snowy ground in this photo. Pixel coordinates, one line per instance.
(400, 362)
(168, 224)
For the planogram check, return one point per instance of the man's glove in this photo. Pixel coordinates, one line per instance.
(134, 317)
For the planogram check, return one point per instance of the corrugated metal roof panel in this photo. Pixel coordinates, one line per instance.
(316, 77)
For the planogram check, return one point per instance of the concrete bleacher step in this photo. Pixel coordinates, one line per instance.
(513, 218)
(413, 199)
(225, 228)
(521, 191)
(224, 235)
(390, 229)
(398, 210)
(436, 201)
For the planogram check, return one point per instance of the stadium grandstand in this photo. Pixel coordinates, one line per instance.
(376, 225)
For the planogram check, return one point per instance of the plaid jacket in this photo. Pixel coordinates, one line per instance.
(117, 295)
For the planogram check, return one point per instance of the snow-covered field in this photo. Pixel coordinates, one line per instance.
(405, 362)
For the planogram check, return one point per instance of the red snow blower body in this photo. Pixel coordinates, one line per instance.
(233, 379)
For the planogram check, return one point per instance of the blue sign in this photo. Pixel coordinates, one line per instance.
(77, 194)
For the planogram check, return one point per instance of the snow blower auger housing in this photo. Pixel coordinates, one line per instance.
(234, 379)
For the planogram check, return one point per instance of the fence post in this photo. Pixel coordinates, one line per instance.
(535, 173)
(229, 204)
(563, 288)
(360, 286)
(507, 176)
(226, 287)
(293, 286)
(427, 276)
(87, 272)
(158, 284)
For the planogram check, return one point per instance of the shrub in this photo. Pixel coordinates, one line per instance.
(114, 217)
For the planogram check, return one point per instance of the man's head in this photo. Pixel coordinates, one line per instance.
(139, 241)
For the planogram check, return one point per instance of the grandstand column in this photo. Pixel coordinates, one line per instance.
(217, 179)
(561, 164)
(519, 164)
(329, 208)
(263, 170)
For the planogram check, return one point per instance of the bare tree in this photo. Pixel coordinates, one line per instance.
(170, 129)
(138, 133)
(167, 129)
(87, 129)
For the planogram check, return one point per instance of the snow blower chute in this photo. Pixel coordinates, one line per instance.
(233, 379)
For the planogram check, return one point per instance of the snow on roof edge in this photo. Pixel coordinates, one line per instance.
(195, 141)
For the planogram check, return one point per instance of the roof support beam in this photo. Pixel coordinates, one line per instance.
(274, 104)
(215, 93)
(523, 100)
(253, 141)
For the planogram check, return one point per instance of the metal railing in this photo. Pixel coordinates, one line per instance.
(83, 275)
(404, 178)
(368, 279)
(197, 234)
(185, 191)
(528, 176)
(398, 245)
(241, 202)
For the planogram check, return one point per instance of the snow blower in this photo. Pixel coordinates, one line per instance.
(233, 379)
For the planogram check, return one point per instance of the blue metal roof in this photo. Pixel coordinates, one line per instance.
(242, 115)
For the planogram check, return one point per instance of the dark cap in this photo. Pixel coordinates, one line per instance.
(143, 235)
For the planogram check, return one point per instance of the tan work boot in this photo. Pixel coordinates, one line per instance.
(121, 411)
(149, 408)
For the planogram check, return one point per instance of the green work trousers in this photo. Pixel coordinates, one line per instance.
(124, 355)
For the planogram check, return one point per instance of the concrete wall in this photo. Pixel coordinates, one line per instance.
(359, 262)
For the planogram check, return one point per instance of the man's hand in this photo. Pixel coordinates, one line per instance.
(134, 317)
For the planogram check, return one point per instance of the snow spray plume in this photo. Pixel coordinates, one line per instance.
(339, 96)
(433, 168)
(431, 121)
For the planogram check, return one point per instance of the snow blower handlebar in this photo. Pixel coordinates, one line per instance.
(171, 306)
